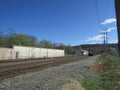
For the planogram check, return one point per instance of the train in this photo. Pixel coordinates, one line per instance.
(89, 52)
(92, 52)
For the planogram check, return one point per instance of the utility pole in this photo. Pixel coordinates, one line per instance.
(106, 34)
(117, 8)
(105, 41)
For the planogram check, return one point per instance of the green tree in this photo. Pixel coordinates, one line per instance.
(32, 40)
(3, 39)
(45, 44)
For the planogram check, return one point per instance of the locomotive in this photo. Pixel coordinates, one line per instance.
(91, 52)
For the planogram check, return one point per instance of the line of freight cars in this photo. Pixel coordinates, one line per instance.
(89, 52)
(94, 52)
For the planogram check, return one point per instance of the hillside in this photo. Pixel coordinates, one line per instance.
(99, 47)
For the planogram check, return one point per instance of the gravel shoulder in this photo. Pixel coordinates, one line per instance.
(55, 78)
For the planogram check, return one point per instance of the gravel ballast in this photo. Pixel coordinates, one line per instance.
(51, 79)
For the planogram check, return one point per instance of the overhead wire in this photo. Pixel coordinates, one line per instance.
(98, 14)
(98, 17)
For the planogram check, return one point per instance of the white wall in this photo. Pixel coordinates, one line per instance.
(6, 53)
(29, 52)
(33, 52)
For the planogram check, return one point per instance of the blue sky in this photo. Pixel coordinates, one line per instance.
(71, 22)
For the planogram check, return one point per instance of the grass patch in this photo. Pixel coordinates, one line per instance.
(108, 69)
(110, 77)
(88, 84)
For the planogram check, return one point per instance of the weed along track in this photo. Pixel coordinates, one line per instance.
(15, 68)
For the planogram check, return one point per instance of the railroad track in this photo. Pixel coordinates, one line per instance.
(15, 68)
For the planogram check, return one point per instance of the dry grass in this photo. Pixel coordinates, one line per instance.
(74, 85)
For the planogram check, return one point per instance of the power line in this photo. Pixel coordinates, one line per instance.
(97, 12)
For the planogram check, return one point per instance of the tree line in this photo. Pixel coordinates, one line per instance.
(10, 39)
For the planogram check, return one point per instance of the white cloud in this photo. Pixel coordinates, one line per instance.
(109, 29)
(93, 42)
(95, 38)
(109, 21)
(113, 41)
(99, 38)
